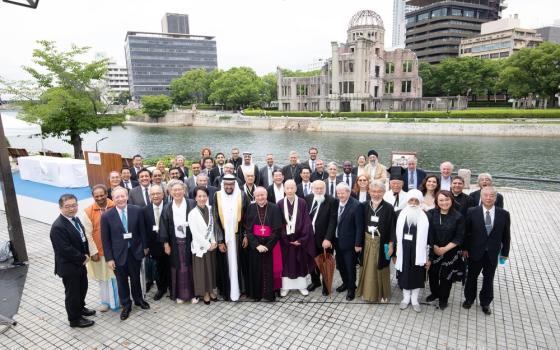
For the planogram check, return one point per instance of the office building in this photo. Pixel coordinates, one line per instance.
(435, 29)
(551, 33)
(175, 23)
(499, 39)
(400, 8)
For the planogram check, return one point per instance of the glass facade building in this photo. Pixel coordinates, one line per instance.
(154, 59)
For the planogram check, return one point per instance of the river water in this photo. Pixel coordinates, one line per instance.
(506, 156)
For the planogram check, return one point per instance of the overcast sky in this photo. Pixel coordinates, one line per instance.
(261, 34)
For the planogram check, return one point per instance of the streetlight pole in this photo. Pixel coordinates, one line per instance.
(15, 230)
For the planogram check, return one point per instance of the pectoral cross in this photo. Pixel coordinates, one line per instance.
(262, 230)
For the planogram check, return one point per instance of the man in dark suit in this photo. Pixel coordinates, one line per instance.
(311, 163)
(235, 159)
(304, 188)
(319, 173)
(332, 180)
(152, 214)
(292, 171)
(485, 180)
(265, 174)
(202, 180)
(323, 214)
(413, 176)
(123, 233)
(126, 180)
(347, 175)
(228, 169)
(487, 237)
(136, 167)
(275, 192)
(71, 254)
(217, 170)
(349, 237)
(140, 195)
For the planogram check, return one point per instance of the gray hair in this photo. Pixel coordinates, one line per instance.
(377, 184)
(448, 164)
(332, 163)
(483, 175)
(490, 189)
(343, 186)
(175, 182)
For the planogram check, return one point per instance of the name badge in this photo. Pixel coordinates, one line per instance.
(83, 238)
(408, 236)
(127, 235)
(374, 219)
(155, 228)
(411, 186)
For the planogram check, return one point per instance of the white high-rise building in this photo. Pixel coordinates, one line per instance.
(400, 9)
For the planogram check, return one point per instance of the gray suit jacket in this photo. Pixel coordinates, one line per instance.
(191, 184)
(136, 197)
(264, 175)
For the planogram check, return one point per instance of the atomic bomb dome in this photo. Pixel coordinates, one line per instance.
(364, 18)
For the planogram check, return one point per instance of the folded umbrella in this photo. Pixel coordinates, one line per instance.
(326, 264)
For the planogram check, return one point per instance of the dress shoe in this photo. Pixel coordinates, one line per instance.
(143, 305)
(81, 323)
(467, 304)
(486, 310)
(350, 295)
(341, 288)
(431, 298)
(443, 305)
(159, 295)
(207, 302)
(125, 313)
(149, 286)
(313, 286)
(88, 312)
(416, 307)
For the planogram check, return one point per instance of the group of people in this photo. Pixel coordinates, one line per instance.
(230, 229)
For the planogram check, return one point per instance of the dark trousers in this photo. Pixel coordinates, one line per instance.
(488, 267)
(346, 265)
(75, 290)
(163, 275)
(439, 287)
(129, 270)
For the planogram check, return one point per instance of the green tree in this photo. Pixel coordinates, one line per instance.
(270, 88)
(192, 87)
(431, 81)
(69, 105)
(236, 87)
(122, 98)
(156, 106)
(533, 71)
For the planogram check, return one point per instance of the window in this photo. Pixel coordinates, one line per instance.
(456, 12)
(351, 67)
(375, 91)
(410, 20)
(377, 51)
(439, 12)
(301, 90)
(389, 87)
(407, 66)
(423, 16)
(406, 86)
(377, 71)
(468, 13)
(389, 68)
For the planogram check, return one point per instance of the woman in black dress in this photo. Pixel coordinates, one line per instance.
(447, 229)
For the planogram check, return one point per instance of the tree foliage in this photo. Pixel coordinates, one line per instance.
(192, 87)
(156, 106)
(237, 87)
(70, 103)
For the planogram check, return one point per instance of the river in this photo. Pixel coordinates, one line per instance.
(506, 156)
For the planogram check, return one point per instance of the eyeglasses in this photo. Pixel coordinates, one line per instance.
(70, 206)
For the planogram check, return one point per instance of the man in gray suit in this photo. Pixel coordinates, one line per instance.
(267, 171)
(140, 195)
(191, 180)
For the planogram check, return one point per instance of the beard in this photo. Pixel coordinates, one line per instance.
(319, 198)
(412, 214)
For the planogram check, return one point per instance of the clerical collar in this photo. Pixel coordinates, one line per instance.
(262, 206)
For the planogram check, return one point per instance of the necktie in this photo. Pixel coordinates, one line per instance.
(488, 222)
(147, 195)
(313, 209)
(411, 179)
(126, 184)
(332, 188)
(340, 211)
(124, 220)
(312, 165)
(156, 212)
(347, 180)
(76, 221)
(221, 172)
(396, 199)
(305, 189)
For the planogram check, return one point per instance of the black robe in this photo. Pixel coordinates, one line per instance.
(386, 227)
(167, 233)
(261, 284)
(222, 266)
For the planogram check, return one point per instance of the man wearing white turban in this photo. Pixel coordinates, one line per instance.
(412, 247)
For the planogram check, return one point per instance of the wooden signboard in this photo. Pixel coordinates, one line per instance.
(100, 164)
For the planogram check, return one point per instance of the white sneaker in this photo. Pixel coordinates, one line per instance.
(179, 301)
(283, 292)
(194, 300)
(304, 292)
(403, 305)
(416, 307)
(103, 308)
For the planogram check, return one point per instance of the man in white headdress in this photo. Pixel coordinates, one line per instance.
(412, 247)
(248, 167)
(232, 256)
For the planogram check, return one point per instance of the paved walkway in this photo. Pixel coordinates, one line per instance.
(526, 311)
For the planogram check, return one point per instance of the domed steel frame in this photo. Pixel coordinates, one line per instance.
(365, 18)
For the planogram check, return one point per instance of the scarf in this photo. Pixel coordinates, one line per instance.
(421, 239)
(290, 222)
(202, 233)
